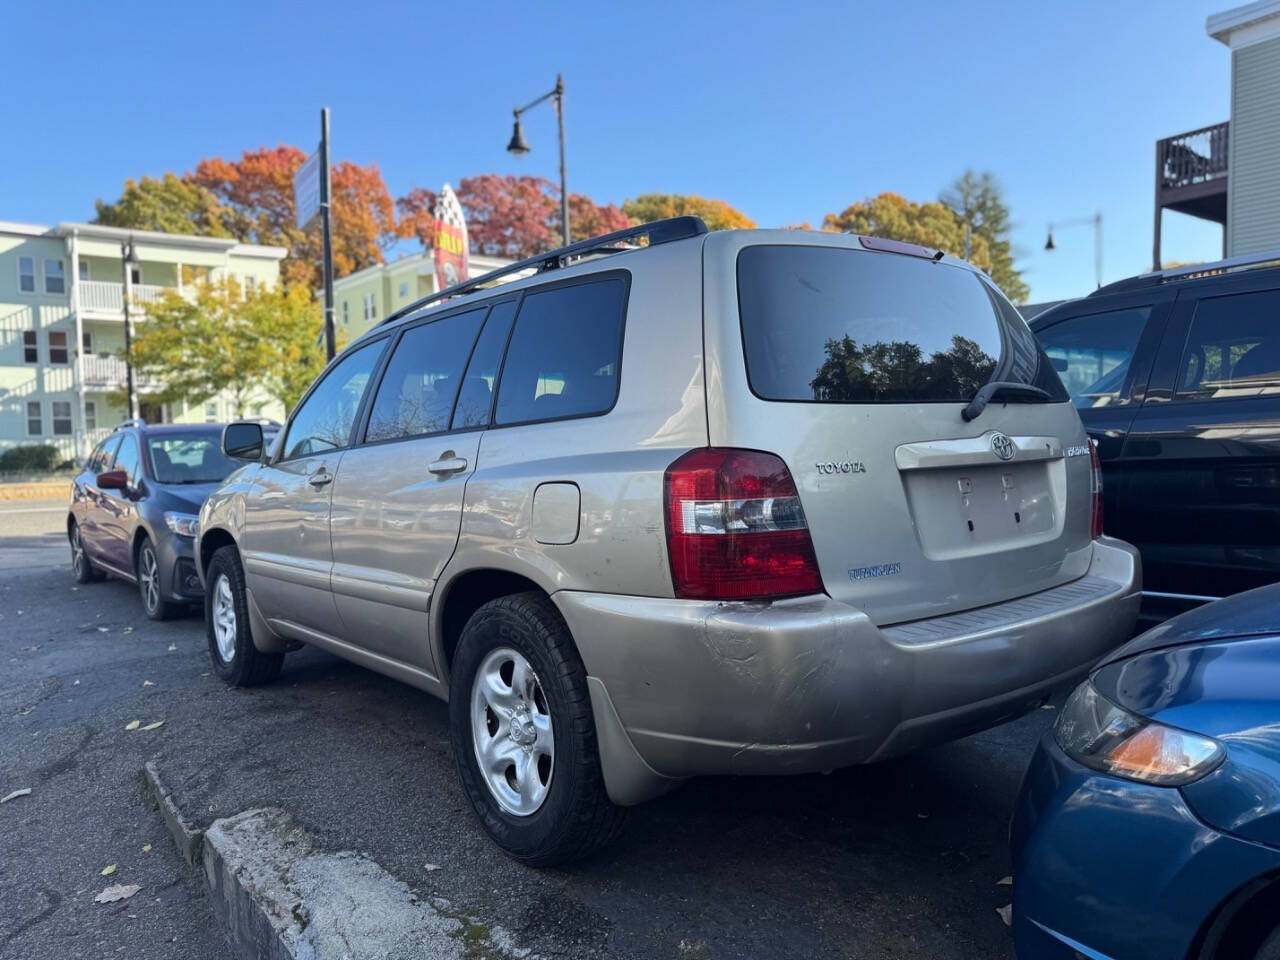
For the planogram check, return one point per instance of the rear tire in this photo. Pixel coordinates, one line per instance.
(1270, 948)
(81, 565)
(226, 615)
(151, 583)
(542, 799)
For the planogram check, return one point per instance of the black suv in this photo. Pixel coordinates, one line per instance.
(1177, 378)
(134, 509)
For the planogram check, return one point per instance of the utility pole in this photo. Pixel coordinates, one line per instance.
(128, 257)
(327, 229)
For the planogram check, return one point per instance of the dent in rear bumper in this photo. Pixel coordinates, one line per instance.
(812, 684)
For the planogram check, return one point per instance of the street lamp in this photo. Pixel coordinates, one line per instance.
(519, 146)
(128, 259)
(1096, 220)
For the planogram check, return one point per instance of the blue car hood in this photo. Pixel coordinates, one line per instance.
(186, 497)
(1218, 676)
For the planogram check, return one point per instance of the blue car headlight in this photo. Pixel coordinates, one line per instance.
(183, 524)
(1095, 732)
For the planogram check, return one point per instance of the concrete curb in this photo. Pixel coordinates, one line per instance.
(39, 490)
(188, 839)
(278, 896)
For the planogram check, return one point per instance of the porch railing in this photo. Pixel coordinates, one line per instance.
(108, 296)
(1195, 157)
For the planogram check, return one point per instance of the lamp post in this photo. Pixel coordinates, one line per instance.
(1096, 220)
(128, 258)
(518, 146)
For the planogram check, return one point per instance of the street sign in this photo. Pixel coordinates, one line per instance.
(306, 190)
(451, 253)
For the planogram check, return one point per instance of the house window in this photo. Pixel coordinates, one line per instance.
(35, 426)
(345, 313)
(58, 346)
(251, 285)
(55, 277)
(90, 415)
(27, 274)
(86, 346)
(370, 306)
(211, 413)
(30, 351)
(404, 289)
(135, 275)
(84, 269)
(61, 418)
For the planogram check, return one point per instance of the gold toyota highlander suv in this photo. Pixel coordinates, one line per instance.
(670, 503)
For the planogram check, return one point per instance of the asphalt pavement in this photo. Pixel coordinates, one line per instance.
(899, 860)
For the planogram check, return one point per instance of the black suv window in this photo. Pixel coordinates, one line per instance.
(564, 354)
(835, 325)
(476, 396)
(325, 419)
(417, 390)
(1092, 354)
(1233, 348)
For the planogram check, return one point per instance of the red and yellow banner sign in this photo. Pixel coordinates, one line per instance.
(450, 240)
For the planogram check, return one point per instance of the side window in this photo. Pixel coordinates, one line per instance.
(27, 274)
(324, 420)
(476, 396)
(127, 458)
(564, 354)
(1092, 354)
(105, 456)
(1233, 348)
(417, 390)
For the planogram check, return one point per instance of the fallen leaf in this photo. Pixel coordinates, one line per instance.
(117, 891)
(76, 684)
(1048, 706)
(172, 647)
(133, 725)
(109, 870)
(127, 630)
(147, 683)
(146, 848)
(923, 816)
(103, 630)
(1006, 914)
(152, 726)
(24, 792)
(1005, 882)
(432, 866)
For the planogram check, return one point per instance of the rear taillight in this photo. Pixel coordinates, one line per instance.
(1095, 528)
(735, 528)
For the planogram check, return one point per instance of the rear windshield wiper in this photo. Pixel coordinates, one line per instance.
(987, 393)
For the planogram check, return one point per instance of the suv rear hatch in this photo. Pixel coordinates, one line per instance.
(853, 361)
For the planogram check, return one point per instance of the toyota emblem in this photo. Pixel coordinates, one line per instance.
(1003, 446)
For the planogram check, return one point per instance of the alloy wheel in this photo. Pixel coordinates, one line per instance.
(224, 618)
(149, 575)
(511, 732)
(77, 552)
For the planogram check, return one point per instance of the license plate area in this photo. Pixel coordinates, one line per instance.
(977, 509)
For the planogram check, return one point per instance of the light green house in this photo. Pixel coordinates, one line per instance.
(62, 291)
(363, 298)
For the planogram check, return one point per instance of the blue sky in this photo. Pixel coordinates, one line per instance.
(785, 110)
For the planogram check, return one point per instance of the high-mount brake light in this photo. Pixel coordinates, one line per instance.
(736, 529)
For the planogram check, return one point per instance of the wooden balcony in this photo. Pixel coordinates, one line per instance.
(1191, 177)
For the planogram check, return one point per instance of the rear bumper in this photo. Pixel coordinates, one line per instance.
(1108, 868)
(812, 684)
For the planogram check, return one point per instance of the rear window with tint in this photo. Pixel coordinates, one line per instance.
(831, 325)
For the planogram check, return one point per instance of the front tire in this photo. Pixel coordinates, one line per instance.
(226, 615)
(151, 583)
(81, 565)
(523, 735)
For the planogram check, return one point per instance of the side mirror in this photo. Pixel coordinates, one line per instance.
(1059, 364)
(243, 440)
(113, 480)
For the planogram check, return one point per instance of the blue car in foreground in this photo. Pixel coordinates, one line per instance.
(1148, 825)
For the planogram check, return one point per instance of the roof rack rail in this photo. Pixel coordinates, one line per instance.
(1191, 271)
(133, 422)
(659, 231)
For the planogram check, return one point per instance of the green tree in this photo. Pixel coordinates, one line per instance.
(218, 339)
(717, 214)
(978, 198)
(894, 217)
(168, 205)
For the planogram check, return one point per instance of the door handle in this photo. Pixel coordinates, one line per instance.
(448, 464)
(320, 478)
